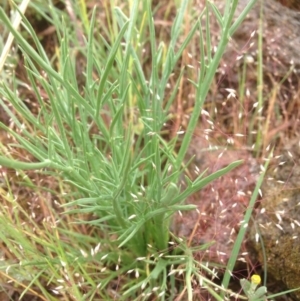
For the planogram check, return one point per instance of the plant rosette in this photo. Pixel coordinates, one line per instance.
(250, 288)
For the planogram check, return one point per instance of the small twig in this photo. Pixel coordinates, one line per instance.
(194, 230)
(16, 23)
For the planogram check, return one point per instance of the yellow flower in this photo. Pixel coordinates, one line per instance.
(255, 279)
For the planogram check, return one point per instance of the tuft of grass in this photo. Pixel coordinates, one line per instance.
(105, 231)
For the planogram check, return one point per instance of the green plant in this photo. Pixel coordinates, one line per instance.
(258, 294)
(250, 288)
(103, 142)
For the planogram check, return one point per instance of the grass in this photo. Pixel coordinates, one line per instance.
(97, 159)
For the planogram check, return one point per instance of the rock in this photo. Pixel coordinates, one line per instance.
(280, 33)
(278, 224)
(221, 204)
